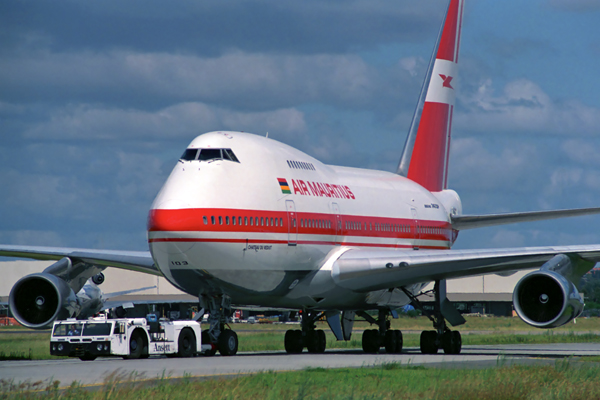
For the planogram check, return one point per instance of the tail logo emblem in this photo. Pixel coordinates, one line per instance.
(447, 80)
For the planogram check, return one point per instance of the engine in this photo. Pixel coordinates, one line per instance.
(37, 300)
(546, 298)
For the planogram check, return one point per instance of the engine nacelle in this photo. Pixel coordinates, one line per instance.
(37, 300)
(546, 299)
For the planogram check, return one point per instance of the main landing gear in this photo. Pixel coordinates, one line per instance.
(442, 337)
(374, 339)
(313, 339)
(222, 339)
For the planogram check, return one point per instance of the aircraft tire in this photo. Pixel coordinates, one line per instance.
(205, 340)
(428, 345)
(316, 341)
(370, 341)
(399, 341)
(186, 343)
(228, 343)
(390, 341)
(312, 342)
(293, 341)
(452, 342)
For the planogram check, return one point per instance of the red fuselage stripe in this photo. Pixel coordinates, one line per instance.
(260, 221)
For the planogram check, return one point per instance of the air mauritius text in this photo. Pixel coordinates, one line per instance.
(321, 189)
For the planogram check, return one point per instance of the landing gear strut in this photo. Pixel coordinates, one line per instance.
(222, 339)
(442, 337)
(310, 337)
(374, 339)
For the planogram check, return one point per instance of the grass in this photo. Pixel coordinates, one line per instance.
(269, 337)
(34, 346)
(386, 381)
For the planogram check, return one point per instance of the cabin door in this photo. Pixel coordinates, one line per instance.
(292, 223)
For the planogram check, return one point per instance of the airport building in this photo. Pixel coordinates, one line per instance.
(490, 294)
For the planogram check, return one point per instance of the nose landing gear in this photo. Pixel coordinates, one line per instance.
(222, 339)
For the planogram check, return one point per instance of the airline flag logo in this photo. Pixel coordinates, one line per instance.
(285, 188)
(447, 80)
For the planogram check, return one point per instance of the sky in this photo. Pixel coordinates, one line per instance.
(98, 99)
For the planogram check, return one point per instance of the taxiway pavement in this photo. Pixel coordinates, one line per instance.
(96, 372)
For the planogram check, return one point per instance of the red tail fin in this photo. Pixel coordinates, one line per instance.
(425, 156)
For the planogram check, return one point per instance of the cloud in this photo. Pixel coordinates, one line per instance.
(185, 120)
(250, 81)
(212, 27)
(523, 106)
(474, 167)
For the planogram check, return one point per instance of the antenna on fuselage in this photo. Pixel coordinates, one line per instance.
(267, 136)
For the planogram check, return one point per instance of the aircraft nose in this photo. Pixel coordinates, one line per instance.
(170, 215)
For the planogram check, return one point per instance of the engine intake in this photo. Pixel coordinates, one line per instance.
(547, 299)
(37, 300)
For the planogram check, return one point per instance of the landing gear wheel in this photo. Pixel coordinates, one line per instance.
(451, 342)
(322, 341)
(228, 343)
(206, 340)
(428, 345)
(293, 341)
(136, 345)
(186, 343)
(370, 341)
(390, 341)
(399, 341)
(316, 341)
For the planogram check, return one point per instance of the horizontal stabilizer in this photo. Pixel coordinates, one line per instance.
(463, 222)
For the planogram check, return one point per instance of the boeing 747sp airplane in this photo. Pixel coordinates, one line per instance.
(244, 220)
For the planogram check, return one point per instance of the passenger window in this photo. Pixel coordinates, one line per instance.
(280, 221)
(220, 220)
(205, 220)
(212, 219)
(227, 220)
(251, 221)
(239, 220)
(233, 220)
(271, 221)
(262, 221)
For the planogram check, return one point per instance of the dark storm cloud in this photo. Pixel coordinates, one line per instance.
(211, 27)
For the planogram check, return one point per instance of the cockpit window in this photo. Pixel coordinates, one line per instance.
(189, 154)
(228, 155)
(209, 155)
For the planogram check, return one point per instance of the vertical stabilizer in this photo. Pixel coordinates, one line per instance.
(425, 156)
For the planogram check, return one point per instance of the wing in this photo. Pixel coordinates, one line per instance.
(140, 261)
(462, 222)
(365, 270)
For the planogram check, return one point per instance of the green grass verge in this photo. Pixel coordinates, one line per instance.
(387, 381)
(36, 345)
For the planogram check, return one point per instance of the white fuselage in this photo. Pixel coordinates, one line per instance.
(256, 227)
